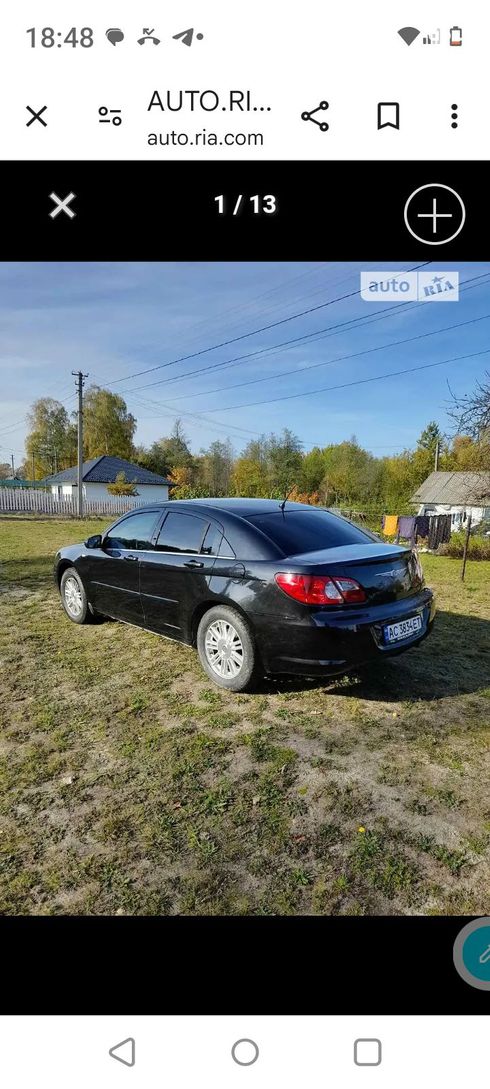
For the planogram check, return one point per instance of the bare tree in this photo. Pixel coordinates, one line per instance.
(471, 413)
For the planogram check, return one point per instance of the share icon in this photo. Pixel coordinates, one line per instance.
(309, 115)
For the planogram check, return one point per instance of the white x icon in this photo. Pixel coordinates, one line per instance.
(62, 205)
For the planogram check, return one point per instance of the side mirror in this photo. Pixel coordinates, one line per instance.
(94, 542)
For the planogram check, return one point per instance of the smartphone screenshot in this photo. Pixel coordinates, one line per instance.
(244, 544)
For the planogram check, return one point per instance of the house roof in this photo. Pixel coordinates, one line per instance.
(454, 489)
(104, 469)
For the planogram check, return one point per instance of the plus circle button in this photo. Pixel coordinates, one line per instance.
(434, 214)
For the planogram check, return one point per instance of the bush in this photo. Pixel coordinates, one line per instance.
(478, 547)
(121, 486)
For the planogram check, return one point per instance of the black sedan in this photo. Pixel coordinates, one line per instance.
(259, 586)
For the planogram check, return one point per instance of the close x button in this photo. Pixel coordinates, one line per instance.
(434, 214)
(36, 115)
(62, 204)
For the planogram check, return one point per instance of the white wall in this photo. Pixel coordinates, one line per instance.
(147, 493)
(459, 515)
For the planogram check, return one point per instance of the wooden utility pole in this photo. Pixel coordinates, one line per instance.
(436, 458)
(465, 550)
(80, 379)
(33, 471)
(13, 466)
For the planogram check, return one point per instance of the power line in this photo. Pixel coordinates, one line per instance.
(287, 345)
(253, 332)
(240, 307)
(348, 385)
(21, 423)
(258, 434)
(329, 362)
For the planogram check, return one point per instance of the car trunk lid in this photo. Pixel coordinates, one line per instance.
(385, 572)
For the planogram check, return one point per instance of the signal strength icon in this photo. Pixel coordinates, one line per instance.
(409, 34)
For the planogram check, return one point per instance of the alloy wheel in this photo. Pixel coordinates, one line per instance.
(73, 596)
(224, 649)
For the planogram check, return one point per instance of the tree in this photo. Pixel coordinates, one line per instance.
(183, 485)
(351, 475)
(108, 426)
(430, 437)
(175, 448)
(399, 480)
(249, 479)
(313, 470)
(216, 468)
(121, 486)
(471, 413)
(5, 470)
(469, 456)
(152, 458)
(47, 441)
(284, 462)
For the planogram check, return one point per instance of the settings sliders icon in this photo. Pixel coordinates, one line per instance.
(309, 115)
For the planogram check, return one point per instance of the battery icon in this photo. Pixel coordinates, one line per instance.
(455, 36)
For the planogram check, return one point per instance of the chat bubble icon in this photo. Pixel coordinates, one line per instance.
(114, 35)
(388, 115)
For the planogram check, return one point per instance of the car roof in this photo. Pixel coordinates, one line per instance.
(243, 507)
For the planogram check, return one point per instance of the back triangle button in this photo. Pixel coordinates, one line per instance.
(124, 1052)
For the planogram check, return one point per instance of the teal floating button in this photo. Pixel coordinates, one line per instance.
(471, 954)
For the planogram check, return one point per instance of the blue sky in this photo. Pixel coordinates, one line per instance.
(113, 320)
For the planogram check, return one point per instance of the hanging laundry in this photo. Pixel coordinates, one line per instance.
(421, 526)
(406, 527)
(390, 525)
(439, 530)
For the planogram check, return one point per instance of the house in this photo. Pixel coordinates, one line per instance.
(101, 471)
(458, 494)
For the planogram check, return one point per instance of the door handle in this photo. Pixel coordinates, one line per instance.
(193, 563)
(133, 558)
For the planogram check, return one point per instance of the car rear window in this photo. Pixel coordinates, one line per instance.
(308, 530)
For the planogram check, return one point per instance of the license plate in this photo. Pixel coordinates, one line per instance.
(403, 629)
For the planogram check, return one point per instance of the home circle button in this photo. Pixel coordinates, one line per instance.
(245, 1052)
(434, 214)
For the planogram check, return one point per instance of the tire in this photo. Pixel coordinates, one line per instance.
(221, 632)
(74, 598)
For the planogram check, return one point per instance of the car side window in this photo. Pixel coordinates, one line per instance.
(134, 532)
(212, 541)
(181, 533)
(225, 550)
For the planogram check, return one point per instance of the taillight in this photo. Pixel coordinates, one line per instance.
(321, 589)
(418, 566)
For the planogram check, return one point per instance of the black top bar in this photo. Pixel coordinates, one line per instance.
(169, 211)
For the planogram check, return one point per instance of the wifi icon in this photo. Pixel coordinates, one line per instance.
(409, 34)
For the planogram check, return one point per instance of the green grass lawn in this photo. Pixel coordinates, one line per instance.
(130, 785)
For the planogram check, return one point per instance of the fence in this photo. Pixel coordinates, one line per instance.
(33, 501)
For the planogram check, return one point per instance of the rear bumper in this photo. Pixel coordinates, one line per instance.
(326, 643)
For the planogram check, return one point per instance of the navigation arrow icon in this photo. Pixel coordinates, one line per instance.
(124, 1052)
